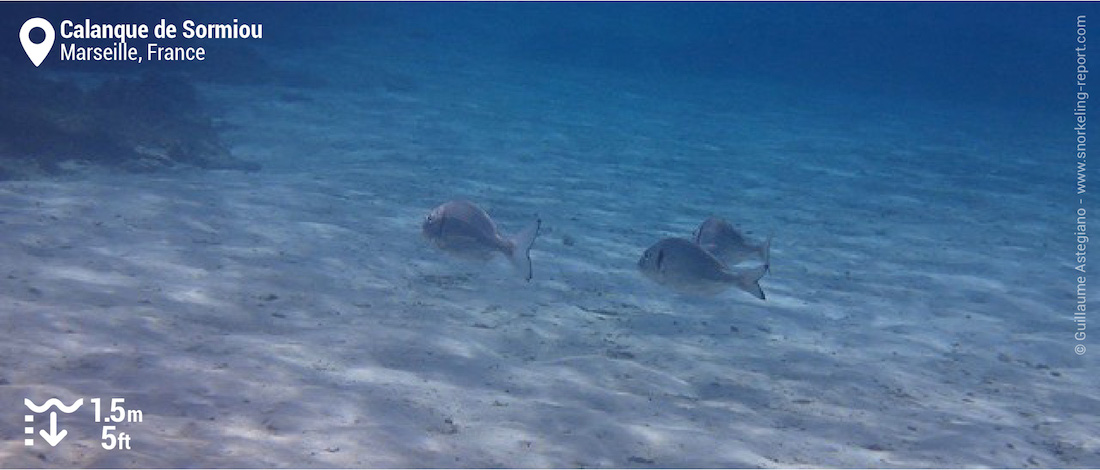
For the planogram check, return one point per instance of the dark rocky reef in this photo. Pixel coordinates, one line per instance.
(134, 124)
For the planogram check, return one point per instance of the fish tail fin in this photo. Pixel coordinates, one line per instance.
(521, 248)
(766, 253)
(749, 281)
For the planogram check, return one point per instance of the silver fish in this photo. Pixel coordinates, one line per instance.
(727, 244)
(464, 229)
(685, 266)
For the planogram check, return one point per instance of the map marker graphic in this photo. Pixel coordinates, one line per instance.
(36, 52)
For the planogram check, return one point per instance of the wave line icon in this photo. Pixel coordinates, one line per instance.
(53, 402)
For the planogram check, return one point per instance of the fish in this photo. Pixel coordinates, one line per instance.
(463, 229)
(727, 243)
(684, 266)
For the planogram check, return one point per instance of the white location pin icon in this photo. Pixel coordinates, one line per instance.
(37, 52)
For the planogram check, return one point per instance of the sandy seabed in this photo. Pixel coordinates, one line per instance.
(918, 311)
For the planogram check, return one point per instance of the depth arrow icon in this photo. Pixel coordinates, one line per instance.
(53, 437)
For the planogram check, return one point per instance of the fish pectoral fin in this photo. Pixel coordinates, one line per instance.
(521, 248)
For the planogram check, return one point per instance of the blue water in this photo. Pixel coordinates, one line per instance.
(913, 161)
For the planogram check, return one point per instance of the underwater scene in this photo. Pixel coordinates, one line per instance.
(546, 235)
